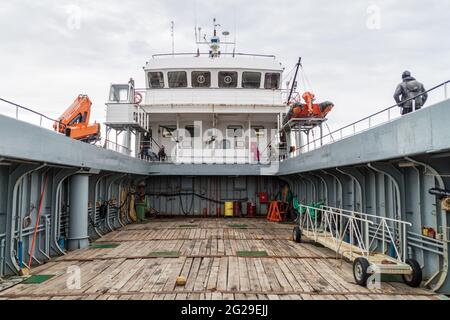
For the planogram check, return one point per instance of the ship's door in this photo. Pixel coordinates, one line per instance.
(235, 134)
(192, 132)
(258, 146)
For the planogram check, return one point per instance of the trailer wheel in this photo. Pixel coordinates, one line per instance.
(415, 278)
(297, 234)
(360, 266)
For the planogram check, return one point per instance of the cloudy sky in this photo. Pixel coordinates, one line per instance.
(353, 51)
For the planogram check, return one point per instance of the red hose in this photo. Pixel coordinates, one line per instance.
(37, 222)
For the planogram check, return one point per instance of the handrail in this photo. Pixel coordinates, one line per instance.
(375, 114)
(370, 215)
(196, 54)
(338, 213)
(30, 110)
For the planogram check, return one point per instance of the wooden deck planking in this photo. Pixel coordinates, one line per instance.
(208, 259)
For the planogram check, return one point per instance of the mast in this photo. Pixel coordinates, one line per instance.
(299, 63)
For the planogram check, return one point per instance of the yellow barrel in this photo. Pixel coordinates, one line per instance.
(229, 209)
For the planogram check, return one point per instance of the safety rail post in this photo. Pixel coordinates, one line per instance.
(404, 249)
(307, 218)
(2, 255)
(445, 90)
(366, 236)
(315, 226)
(383, 245)
(351, 237)
(17, 113)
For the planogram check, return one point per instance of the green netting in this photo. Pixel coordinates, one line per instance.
(238, 226)
(252, 254)
(165, 254)
(38, 278)
(104, 245)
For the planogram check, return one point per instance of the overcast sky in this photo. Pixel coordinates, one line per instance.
(353, 51)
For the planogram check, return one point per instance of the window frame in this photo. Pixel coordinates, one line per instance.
(221, 83)
(271, 74)
(258, 131)
(195, 129)
(161, 81)
(164, 128)
(169, 73)
(235, 128)
(254, 72)
(207, 80)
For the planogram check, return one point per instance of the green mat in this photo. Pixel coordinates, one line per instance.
(238, 226)
(252, 254)
(188, 226)
(37, 279)
(104, 245)
(165, 254)
(391, 278)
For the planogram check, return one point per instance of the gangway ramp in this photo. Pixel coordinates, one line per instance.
(349, 235)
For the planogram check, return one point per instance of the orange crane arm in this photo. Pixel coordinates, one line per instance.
(74, 122)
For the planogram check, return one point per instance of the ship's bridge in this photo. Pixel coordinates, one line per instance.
(236, 79)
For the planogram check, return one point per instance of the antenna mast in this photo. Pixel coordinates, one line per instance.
(172, 29)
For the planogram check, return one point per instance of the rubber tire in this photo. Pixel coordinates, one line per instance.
(364, 264)
(416, 276)
(297, 234)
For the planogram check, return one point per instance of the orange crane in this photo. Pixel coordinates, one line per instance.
(74, 122)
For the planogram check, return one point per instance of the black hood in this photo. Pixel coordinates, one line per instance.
(407, 79)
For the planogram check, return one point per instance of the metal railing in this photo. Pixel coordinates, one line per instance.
(367, 123)
(31, 116)
(197, 54)
(358, 229)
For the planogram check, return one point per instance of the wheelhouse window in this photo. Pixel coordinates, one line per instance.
(156, 80)
(201, 79)
(251, 80)
(272, 81)
(228, 79)
(177, 79)
(119, 93)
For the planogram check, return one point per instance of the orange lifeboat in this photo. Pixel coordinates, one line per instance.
(309, 109)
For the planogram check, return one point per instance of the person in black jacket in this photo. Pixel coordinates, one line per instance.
(409, 89)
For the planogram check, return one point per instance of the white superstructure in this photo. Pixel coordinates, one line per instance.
(202, 108)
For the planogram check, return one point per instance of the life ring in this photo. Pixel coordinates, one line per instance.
(138, 98)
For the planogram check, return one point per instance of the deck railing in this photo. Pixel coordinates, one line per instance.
(381, 117)
(26, 114)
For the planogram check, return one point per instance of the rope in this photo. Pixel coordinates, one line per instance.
(37, 221)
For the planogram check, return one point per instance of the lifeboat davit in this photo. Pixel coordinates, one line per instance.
(309, 109)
